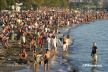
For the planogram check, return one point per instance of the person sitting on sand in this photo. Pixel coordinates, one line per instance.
(23, 57)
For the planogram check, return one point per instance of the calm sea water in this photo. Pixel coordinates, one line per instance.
(85, 35)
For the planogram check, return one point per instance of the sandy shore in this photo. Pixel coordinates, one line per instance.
(11, 67)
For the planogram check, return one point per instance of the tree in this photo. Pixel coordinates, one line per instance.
(11, 2)
(46, 2)
(64, 3)
(27, 4)
(56, 3)
(3, 4)
(39, 2)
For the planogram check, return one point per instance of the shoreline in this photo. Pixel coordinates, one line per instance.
(77, 24)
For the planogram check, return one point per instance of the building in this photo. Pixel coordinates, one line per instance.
(75, 1)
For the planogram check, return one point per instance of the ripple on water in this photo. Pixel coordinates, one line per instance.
(84, 36)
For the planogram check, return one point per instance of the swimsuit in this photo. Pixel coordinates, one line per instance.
(46, 61)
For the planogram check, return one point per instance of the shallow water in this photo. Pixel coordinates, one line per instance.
(79, 56)
(80, 51)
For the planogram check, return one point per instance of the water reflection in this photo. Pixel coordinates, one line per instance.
(94, 62)
(84, 36)
(93, 69)
(94, 59)
(64, 57)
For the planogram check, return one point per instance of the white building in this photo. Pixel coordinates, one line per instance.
(75, 0)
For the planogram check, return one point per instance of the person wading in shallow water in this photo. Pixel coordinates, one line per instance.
(66, 41)
(38, 57)
(46, 60)
(64, 46)
(94, 53)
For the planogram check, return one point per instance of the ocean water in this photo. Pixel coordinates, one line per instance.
(78, 58)
(80, 51)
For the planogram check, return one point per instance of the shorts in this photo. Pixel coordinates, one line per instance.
(94, 57)
(46, 61)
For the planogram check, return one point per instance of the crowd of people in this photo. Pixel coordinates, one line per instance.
(38, 30)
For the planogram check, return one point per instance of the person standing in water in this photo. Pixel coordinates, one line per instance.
(94, 53)
(64, 46)
(66, 43)
(54, 41)
(37, 60)
(46, 60)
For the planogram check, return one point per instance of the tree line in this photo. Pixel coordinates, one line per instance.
(27, 4)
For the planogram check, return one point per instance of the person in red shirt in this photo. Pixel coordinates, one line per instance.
(40, 41)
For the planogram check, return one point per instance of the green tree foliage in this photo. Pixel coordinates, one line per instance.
(27, 4)
(39, 2)
(46, 2)
(56, 3)
(3, 4)
(64, 3)
(11, 2)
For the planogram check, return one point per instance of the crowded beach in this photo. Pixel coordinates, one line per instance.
(33, 37)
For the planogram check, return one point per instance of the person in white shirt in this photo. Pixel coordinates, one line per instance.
(64, 46)
(23, 38)
(49, 42)
(54, 39)
(66, 42)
